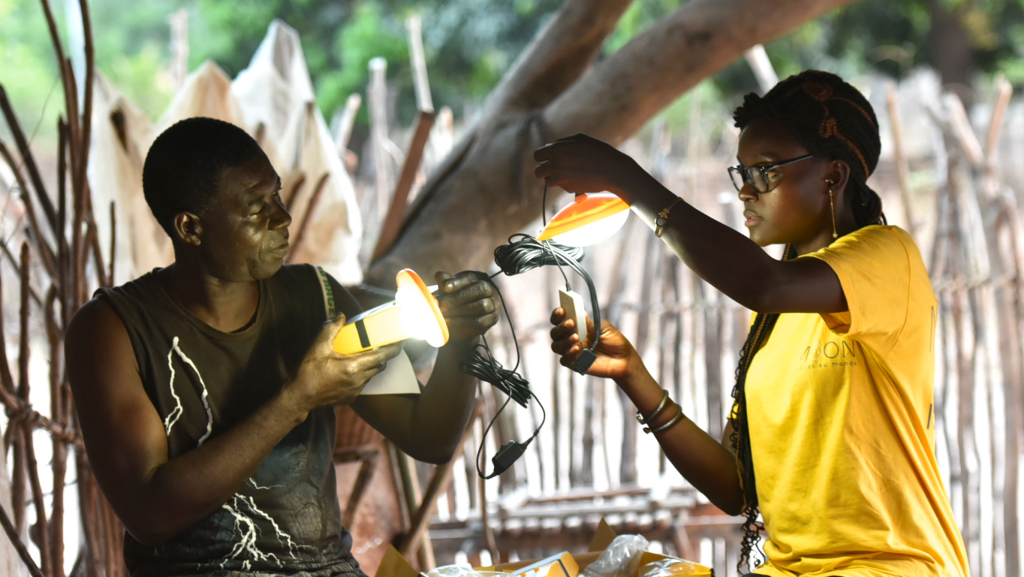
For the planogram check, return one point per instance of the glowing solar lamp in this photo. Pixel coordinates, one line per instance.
(413, 314)
(588, 220)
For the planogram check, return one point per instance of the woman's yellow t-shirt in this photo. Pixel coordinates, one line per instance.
(842, 424)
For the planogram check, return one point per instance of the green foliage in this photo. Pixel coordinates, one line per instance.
(29, 72)
(469, 45)
(636, 19)
(365, 36)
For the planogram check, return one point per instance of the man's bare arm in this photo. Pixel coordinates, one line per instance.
(156, 497)
(429, 426)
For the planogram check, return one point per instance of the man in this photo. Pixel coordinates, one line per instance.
(205, 390)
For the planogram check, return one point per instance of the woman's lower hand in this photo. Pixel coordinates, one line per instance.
(616, 357)
(582, 164)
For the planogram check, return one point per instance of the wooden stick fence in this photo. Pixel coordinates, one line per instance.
(64, 239)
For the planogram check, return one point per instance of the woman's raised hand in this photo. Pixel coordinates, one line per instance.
(616, 357)
(581, 163)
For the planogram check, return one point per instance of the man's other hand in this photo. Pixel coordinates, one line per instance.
(469, 303)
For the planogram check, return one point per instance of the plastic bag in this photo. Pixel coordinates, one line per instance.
(668, 568)
(620, 559)
(463, 571)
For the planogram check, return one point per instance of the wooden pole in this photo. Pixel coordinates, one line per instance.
(396, 212)
(990, 180)
(902, 168)
(376, 96)
(348, 120)
(759, 62)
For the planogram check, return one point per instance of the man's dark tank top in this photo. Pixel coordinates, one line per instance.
(286, 518)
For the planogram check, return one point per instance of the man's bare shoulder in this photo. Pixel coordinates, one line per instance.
(96, 336)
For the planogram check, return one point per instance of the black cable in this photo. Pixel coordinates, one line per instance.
(544, 205)
(483, 366)
(524, 253)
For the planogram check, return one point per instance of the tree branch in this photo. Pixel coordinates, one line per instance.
(557, 56)
(485, 190)
(699, 39)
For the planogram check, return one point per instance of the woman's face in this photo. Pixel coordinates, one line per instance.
(795, 210)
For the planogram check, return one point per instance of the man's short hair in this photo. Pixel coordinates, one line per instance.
(184, 165)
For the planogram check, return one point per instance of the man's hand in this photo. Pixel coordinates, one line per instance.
(582, 164)
(326, 378)
(469, 304)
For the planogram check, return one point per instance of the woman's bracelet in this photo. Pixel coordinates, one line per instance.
(678, 417)
(661, 406)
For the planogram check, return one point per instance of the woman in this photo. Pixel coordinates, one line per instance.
(831, 433)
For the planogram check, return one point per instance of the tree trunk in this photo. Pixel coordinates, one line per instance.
(486, 191)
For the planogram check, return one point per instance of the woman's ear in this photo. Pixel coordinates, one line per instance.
(837, 177)
(188, 228)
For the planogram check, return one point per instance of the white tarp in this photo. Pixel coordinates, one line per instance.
(276, 92)
(273, 101)
(115, 175)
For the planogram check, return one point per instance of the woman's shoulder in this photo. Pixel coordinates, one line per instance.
(879, 233)
(883, 243)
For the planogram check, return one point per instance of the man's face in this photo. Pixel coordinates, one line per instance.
(245, 230)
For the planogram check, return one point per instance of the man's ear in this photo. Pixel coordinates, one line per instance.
(188, 228)
(839, 175)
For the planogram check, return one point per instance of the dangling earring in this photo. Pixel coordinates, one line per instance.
(831, 201)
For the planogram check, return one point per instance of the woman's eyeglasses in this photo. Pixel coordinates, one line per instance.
(757, 176)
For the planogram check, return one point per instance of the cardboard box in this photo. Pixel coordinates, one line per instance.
(561, 565)
(603, 537)
(394, 565)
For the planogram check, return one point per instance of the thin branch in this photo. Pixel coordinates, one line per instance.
(71, 90)
(307, 217)
(62, 219)
(23, 411)
(12, 534)
(113, 243)
(17, 269)
(93, 236)
(29, 160)
(6, 377)
(43, 532)
(59, 412)
(90, 71)
(45, 250)
(58, 49)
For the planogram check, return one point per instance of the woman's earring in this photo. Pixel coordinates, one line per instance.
(831, 201)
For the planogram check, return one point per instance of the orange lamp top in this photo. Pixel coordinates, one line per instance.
(408, 280)
(587, 209)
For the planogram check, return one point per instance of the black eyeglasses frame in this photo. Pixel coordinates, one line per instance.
(745, 176)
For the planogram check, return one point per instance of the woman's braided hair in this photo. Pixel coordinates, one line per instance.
(832, 120)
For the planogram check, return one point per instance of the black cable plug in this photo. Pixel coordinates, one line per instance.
(507, 455)
(583, 362)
